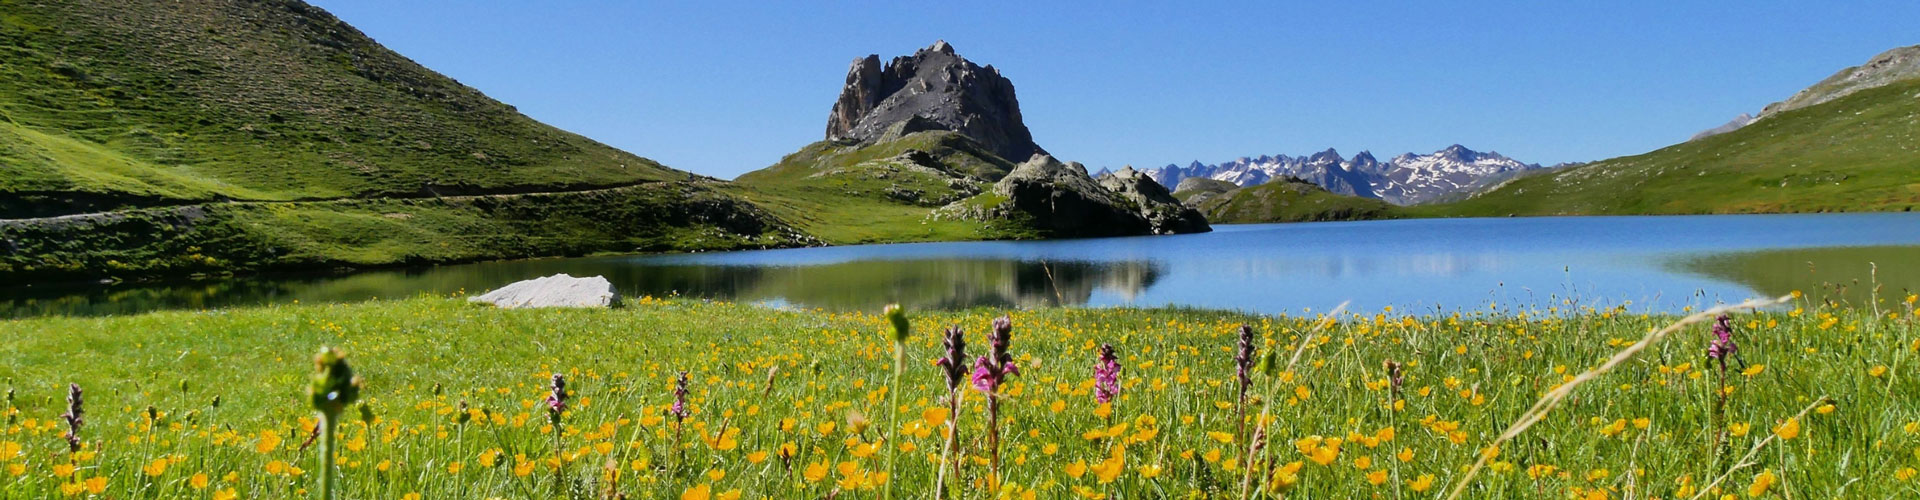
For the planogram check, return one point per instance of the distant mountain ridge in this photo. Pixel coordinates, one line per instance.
(1406, 179)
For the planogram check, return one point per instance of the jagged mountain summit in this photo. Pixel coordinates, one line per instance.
(1403, 180)
(932, 146)
(933, 89)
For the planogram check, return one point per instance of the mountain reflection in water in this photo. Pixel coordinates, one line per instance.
(1662, 264)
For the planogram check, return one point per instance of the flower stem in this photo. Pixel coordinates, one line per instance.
(946, 451)
(893, 413)
(326, 456)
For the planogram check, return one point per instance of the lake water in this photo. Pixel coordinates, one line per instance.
(1648, 263)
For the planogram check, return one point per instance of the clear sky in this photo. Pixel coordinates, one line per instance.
(722, 88)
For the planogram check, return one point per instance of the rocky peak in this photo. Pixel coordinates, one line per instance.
(1328, 156)
(1891, 66)
(1735, 124)
(937, 86)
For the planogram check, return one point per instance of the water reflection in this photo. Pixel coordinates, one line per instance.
(1654, 263)
(1845, 274)
(919, 283)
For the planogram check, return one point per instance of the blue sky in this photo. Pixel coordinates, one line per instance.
(722, 88)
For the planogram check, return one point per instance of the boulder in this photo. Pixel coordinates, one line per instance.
(1063, 201)
(559, 290)
(1164, 213)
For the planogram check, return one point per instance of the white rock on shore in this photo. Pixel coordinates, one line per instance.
(559, 290)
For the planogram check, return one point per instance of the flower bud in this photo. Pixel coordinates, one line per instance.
(898, 317)
(334, 385)
(1269, 364)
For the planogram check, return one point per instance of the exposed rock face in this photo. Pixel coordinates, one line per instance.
(559, 290)
(945, 91)
(1163, 212)
(1195, 191)
(1731, 125)
(1891, 66)
(1063, 201)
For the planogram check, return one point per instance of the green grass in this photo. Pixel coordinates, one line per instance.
(810, 378)
(848, 194)
(1285, 201)
(106, 105)
(1857, 153)
(242, 237)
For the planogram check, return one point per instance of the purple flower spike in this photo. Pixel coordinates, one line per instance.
(1243, 360)
(994, 367)
(557, 400)
(75, 417)
(954, 363)
(1106, 375)
(1722, 346)
(679, 410)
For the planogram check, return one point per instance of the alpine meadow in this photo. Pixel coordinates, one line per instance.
(250, 249)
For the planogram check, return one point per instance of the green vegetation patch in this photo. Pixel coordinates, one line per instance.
(1291, 201)
(1856, 153)
(251, 237)
(109, 105)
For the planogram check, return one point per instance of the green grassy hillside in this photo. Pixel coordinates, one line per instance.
(1857, 153)
(108, 104)
(252, 237)
(847, 193)
(214, 136)
(1290, 201)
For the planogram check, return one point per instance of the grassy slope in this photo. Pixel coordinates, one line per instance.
(1203, 186)
(839, 192)
(1857, 153)
(107, 104)
(1284, 201)
(248, 237)
(125, 107)
(1466, 378)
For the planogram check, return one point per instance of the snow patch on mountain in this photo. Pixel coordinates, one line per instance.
(1404, 180)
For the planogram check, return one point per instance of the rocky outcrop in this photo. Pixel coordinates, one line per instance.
(1891, 66)
(1195, 191)
(1061, 200)
(935, 88)
(1731, 125)
(1163, 212)
(559, 290)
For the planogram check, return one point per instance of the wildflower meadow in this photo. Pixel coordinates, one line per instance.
(430, 397)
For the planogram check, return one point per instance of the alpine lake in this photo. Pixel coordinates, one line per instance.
(1655, 263)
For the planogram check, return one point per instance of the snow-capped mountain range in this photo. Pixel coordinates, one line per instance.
(1404, 180)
